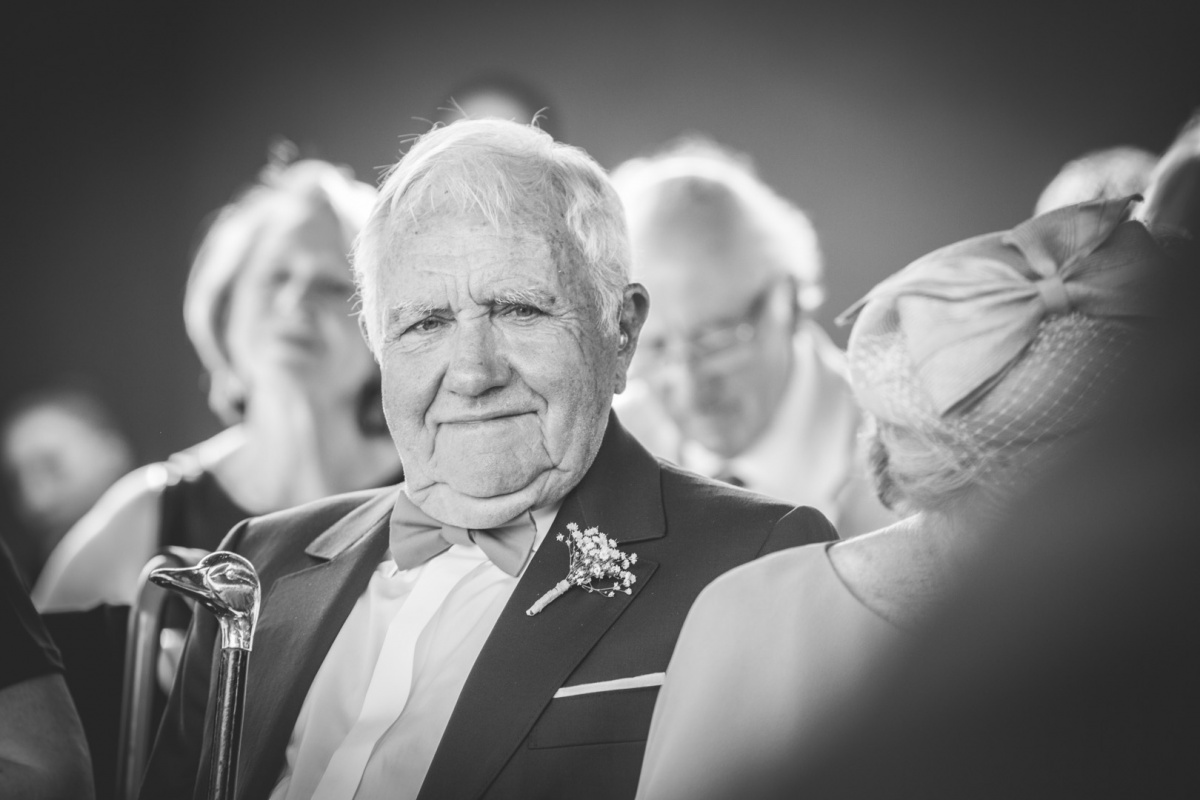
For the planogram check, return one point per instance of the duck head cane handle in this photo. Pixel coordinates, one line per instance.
(227, 585)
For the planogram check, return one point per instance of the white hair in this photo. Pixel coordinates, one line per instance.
(1112, 173)
(507, 172)
(688, 172)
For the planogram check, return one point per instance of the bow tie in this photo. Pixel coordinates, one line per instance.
(416, 537)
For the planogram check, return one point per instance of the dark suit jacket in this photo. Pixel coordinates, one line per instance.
(507, 736)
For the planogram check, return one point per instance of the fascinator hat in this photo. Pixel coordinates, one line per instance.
(975, 357)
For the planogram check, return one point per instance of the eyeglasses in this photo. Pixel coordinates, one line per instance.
(729, 338)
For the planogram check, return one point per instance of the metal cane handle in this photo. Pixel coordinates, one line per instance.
(227, 585)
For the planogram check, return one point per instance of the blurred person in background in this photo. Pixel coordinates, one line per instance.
(269, 309)
(980, 365)
(501, 95)
(62, 449)
(1065, 665)
(1107, 174)
(734, 379)
(43, 753)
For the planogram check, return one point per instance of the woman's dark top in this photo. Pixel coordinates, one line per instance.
(195, 511)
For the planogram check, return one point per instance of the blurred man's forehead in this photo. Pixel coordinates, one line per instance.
(701, 278)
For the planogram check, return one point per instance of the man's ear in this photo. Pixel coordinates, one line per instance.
(635, 307)
(362, 328)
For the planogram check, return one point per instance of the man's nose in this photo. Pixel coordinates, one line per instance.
(476, 363)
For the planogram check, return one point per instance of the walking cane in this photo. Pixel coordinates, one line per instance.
(227, 585)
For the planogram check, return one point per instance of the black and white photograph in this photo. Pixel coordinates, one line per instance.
(648, 400)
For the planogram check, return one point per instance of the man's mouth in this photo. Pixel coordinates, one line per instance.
(483, 418)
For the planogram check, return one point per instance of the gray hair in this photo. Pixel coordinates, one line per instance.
(229, 243)
(1107, 174)
(505, 171)
(692, 168)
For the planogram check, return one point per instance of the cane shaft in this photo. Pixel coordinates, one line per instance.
(227, 731)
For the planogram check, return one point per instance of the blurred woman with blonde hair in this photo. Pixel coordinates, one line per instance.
(269, 309)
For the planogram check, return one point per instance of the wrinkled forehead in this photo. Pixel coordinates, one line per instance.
(446, 233)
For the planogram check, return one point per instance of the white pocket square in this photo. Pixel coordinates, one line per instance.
(636, 682)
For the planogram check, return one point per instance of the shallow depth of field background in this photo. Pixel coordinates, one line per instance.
(897, 127)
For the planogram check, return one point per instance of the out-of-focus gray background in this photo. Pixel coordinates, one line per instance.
(899, 127)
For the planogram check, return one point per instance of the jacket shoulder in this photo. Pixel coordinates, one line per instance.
(679, 483)
(724, 509)
(294, 529)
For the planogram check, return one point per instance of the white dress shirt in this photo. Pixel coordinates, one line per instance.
(380, 702)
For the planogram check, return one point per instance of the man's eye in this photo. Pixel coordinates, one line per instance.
(427, 325)
(520, 311)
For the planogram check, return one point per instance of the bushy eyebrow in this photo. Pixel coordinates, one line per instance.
(407, 311)
(525, 297)
(403, 312)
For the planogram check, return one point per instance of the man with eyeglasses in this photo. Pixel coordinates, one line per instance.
(732, 378)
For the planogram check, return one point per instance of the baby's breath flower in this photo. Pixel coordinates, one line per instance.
(593, 556)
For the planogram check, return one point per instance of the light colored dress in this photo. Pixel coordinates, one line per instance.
(769, 652)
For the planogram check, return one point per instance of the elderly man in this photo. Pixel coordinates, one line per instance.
(733, 379)
(440, 640)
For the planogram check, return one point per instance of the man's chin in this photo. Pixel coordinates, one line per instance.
(476, 506)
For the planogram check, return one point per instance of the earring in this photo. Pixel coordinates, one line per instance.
(623, 341)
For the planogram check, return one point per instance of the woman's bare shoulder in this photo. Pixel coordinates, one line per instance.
(95, 560)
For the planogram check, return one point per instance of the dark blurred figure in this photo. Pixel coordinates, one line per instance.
(501, 95)
(42, 750)
(1099, 175)
(62, 449)
(1066, 667)
(1172, 207)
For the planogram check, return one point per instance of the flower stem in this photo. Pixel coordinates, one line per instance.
(549, 596)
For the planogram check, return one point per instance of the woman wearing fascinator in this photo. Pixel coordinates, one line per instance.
(979, 365)
(269, 308)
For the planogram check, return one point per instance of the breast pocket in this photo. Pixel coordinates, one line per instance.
(598, 718)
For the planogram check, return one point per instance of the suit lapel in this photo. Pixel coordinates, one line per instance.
(302, 614)
(527, 659)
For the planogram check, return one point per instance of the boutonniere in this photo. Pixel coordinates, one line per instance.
(594, 557)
